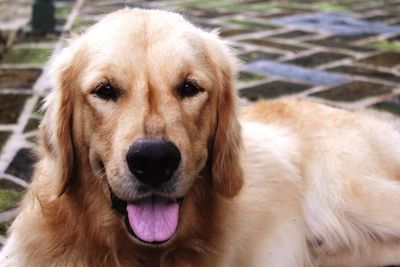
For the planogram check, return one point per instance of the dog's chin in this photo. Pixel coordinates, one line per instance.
(151, 221)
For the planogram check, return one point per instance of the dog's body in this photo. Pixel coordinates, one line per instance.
(320, 185)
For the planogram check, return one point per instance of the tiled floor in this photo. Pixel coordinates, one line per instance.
(344, 53)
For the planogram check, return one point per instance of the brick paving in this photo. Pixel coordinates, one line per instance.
(344, 53)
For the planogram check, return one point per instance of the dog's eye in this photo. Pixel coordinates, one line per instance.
(189, 88)
(107, 92)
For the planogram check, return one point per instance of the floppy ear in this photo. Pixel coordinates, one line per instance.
(56, 127)
(226, 166)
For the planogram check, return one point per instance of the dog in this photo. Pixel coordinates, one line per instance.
(145, 160)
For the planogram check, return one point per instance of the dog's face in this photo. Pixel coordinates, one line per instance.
(147, 98)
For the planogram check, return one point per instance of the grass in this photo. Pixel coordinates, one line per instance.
(204, 3)
(387, 45)
(27, 55)
(329, 7)
(81, 21)
(62, 12)
(9, 198)
(245, 76)
(250, 23)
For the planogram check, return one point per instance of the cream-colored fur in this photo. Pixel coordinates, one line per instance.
(298, 184)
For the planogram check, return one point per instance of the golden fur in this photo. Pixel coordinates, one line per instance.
(301, 184)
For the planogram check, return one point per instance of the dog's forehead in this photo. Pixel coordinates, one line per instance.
(145, 36)
(160, 45)
(141, 30)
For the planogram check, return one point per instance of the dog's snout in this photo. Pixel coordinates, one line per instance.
(153, 161)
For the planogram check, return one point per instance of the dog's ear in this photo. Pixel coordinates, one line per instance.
(226, 168)
(56, 127)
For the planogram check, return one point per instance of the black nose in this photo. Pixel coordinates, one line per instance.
(153, 161)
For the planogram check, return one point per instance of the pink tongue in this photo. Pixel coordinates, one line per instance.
(153, 219)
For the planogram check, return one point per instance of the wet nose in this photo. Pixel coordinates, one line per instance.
(153, 161)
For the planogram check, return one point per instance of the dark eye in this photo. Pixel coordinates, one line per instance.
(107, 92)
(189, 88)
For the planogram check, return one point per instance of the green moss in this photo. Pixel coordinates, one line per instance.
(387, 45)
(33, 139)
(252, 24)
(81, 21)
(62, 12)
(27, 55)
(272, 90)
(9, 199)
(38, 110)
(35, 38)
(205, 3)
(245, 76)
(263, 6)
(329, 7)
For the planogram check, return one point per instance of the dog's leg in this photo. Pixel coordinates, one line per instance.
(360, 227)
(284, 246)
(381, 255)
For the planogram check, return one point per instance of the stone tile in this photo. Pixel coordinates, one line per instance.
(4, 227)
(342, 24)
(207, 13)
(272, 90)
(62, 11)
(296, 72)
(292, 34)
(232, 32)
(267, 43)
(27, 55)
(3, 138)
(22, 164)
(28, 37)
(317, 59)
(371, 73)
(392, 105)
(386, 59)
(380, 17)
(252, 25)
(18, 78)
(343, 42)
(37, 110)
(80, 22)
(10, 194)
(33, 139)
(387, 45)
(345, 39)
(32, 125)
(256, 55)
(9, 185)
(11, 106)
(246, 76)
(354, 91)
(395, 38)
(328, 7)
(277, 14)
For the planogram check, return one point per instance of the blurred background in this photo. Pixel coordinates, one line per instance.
(345, 53)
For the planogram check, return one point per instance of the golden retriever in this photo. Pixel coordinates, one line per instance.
(144, 162)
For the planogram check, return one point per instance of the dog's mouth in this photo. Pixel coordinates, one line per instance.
(152, 220)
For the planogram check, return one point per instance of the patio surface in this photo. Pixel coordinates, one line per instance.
(344, 53)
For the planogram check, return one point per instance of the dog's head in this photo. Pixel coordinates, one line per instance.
(146, 98)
